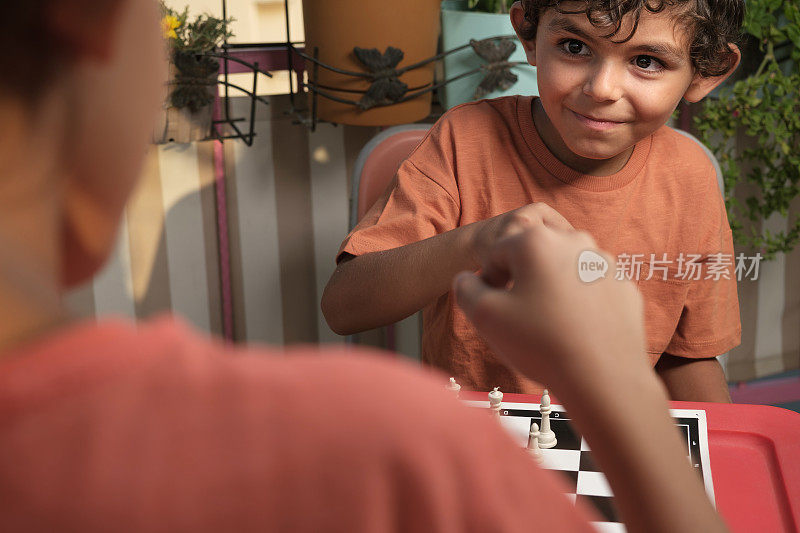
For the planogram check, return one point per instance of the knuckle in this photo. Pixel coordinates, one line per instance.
(518, 218)
(586, 238)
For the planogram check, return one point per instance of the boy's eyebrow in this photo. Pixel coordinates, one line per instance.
(661, 49)
(563, 24)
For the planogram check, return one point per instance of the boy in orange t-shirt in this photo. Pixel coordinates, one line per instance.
(591, 152)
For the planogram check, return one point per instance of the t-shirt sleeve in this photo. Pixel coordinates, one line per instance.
(421, 202)
(709, 324)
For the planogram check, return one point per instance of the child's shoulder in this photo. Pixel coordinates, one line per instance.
(691, 166)
(502, 110)
(680, 147)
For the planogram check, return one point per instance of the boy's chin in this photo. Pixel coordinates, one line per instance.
(598, 153)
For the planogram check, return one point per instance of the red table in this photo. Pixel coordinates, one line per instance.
(755, 462)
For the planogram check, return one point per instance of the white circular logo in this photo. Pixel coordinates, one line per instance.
(591, 266)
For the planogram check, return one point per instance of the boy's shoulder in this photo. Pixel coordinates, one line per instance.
(500, 110)
(680, 147)
(688, 162)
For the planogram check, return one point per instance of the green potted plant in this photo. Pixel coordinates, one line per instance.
(466, 20)
(188, 108)
(761, 108)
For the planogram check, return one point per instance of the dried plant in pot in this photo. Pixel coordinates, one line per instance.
(189, 107)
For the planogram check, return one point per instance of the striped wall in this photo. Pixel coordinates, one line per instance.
(287, 200)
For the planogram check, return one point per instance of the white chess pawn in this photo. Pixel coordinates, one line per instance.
(495, 401)
(547, 439)
(454, 387)
(533, 443)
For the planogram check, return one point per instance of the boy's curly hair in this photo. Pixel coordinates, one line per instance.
(711, 23)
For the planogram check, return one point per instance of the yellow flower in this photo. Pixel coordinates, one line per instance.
(168, 26)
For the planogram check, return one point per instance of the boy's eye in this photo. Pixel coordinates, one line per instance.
(648, 63)
(572, 46)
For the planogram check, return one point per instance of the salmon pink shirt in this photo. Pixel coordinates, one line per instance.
(110, 427)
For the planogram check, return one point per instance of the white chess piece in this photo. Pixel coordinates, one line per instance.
(454, 387)
(495, 401)
(547, 439)
(533, 443)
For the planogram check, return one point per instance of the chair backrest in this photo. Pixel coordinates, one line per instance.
(711, 156)
(723, 358)
(377, 163)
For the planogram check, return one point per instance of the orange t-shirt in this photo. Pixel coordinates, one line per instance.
(486, 158)
(106, 427)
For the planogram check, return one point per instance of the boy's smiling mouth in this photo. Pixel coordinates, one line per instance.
(596, 123)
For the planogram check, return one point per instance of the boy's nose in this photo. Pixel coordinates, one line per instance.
(603, 84)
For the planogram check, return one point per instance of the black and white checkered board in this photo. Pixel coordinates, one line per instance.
(571, 455)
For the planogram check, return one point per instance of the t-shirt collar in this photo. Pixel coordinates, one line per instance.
(568, 175)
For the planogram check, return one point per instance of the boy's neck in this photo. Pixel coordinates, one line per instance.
(551, 138)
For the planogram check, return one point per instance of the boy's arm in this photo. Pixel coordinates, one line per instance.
(536, 314)
(693, 380)
(380, 288)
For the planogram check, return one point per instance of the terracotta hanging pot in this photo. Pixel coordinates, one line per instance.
(336, 28)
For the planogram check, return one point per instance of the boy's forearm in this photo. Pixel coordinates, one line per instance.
(380, 288)
(693, 380)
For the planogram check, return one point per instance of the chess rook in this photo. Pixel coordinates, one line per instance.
(547, 438)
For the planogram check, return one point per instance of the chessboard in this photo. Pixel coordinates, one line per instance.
(572, 457)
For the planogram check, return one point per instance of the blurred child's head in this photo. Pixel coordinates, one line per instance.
(82, 82)
(612, 72)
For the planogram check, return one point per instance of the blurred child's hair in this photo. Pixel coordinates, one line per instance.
(712, 24)
(33, 51)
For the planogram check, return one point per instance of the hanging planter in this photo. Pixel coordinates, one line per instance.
(462, 25)
(188, 111)
(187, 115)
(369, 38)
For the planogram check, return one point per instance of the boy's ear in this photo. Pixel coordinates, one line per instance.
(702, 85)
(517, 14)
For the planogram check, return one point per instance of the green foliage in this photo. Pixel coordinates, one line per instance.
(203, 34)
(190, 43)
(195, 80)
(490, 6)
(764, 105)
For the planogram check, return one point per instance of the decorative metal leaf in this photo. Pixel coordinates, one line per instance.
(498, 69)
(386, 86)
(496, 79)
(383, 91)
(493, 50)
(375, 61)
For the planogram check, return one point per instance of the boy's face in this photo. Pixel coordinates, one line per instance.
(603, 97)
